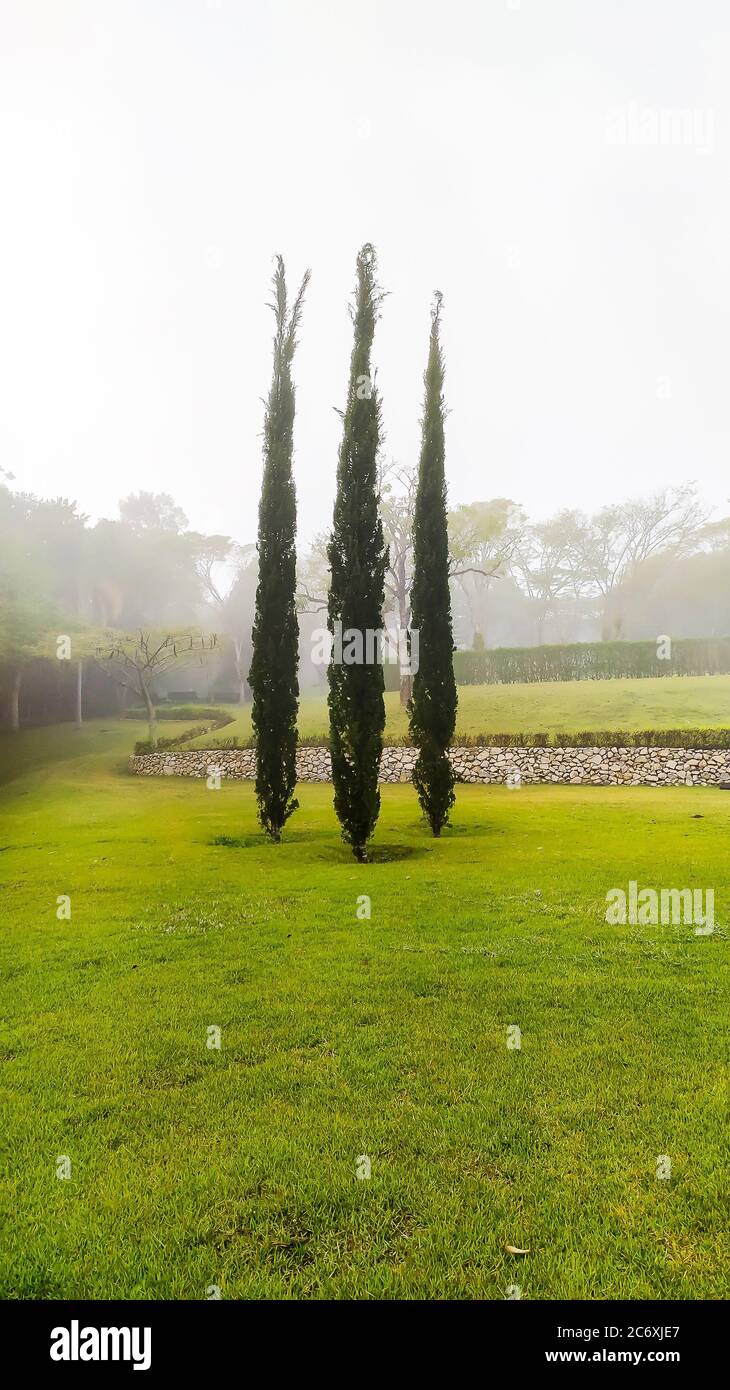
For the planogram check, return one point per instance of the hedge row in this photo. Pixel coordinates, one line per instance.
(214, 719)
(145, 745)
(690, 656)
(601, 738)
(212, 715)
(304, 741)
(584, 738)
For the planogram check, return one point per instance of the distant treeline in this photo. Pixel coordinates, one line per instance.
(581, 661)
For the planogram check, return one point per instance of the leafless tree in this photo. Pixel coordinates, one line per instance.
(483, 541)
(620, 537)
(542, 562)
(134, 660)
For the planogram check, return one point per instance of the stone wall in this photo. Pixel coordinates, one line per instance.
(577, 766)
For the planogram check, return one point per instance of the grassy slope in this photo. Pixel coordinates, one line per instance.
(39, 749)
(344, 1037)
(667, 702)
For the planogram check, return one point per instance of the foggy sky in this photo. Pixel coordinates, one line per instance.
(155, 154)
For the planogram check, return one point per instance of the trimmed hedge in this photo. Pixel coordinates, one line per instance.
(601, 738)
(214, 719)
(584, 738)
(211, 715)
(646, 738)
(144, 745)
(690, 656)
(576, 661)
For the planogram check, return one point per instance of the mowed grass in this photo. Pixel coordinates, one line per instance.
(341, 1037)
(555, 707)
(38, 749)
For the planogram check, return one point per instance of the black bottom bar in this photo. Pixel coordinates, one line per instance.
(204, 1338)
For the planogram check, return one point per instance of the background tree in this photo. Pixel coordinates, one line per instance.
(135, 660)
(687, 596)
(578, 570)
(27, 616)
(313, 582)
(143, 576)
(238, 618)
(152, 511)
(273, 676)
(433, 705)
(63, 538)
(233, 599)
(620, 538)
(397, 506)
(41, 585)
(357, 561)
(542, 560)
(313, 577)
(483, 539)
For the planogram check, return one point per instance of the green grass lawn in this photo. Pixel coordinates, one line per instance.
(558, 707)
(343, 1037)
(41, 748)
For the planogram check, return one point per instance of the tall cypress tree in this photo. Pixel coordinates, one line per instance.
(357, 559)
(433, 703)
(273, 676)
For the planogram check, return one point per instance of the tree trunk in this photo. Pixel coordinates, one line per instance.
(404, 618)
(243, 691)
(151, 714)
(79, 689)
(15, 699)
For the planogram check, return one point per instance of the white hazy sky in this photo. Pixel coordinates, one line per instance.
(154, 154)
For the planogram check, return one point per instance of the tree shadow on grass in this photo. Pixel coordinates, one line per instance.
(329, 849)
(377, 854)
(388, 854)
(258, 840)
(475, 827)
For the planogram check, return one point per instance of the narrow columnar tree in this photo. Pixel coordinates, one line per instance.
(275, 638)
(357, 560)
(433, 704)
